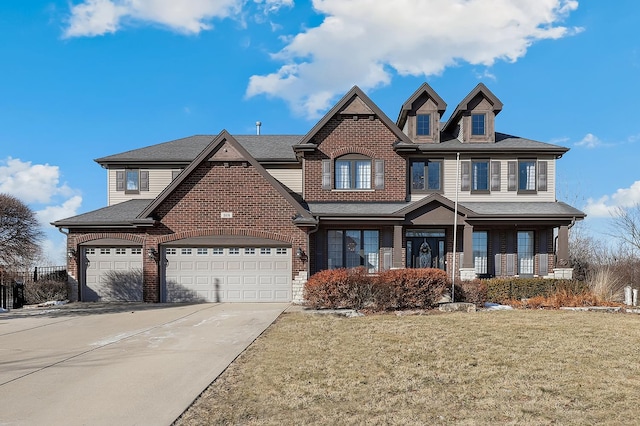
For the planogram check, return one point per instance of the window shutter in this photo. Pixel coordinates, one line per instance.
(379, 177)
(543, 264)
(465, 178)
(120, 180)
(511, 264)
(542, 175)
(144, 180)
(495, 176)
(513, 175)
(326, 174)
(497, 265)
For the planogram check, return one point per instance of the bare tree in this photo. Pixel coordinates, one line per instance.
(626, 226)
(20, 232)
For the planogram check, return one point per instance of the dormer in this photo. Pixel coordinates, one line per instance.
(474, 118)
(420, 115)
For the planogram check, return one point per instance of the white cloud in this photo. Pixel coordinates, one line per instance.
(98, 17)
(272, 6)
(607, 205)
(31, 183)
(590, 141)
(38, 186)
(363, 41)
(67, 209)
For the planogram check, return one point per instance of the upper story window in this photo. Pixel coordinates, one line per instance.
(353, 172)
(426, 175)
(423, 124)
(480, 175)
(527, 175)
(478, 124)
(132, 181)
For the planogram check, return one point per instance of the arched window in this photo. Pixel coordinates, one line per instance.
(353, 171)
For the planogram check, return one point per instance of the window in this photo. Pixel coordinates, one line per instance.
(234, 250)
(132, 180)
(136, 251)
(105, 251)
(171, 251)
(352, 248)
(281, 250)
(525, 252)
(202, 251)
(426, 175)
(527, 175)
(185, 251)
(250, 251)
(90, 251)
(477, 124)
(217, 251)
(121, 251)
(480, 251)
(423, 124)
(480, 175)
(353, 172)
(265, 250)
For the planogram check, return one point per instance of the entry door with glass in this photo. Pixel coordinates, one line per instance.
(426, 248)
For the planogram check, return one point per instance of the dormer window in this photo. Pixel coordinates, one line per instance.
(132, 181)
(478, 124)
(353, 171)
(423, 125)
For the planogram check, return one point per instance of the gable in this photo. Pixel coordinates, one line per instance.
(222, 179)
(356, 106)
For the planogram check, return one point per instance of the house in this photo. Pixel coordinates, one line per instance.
(249, 218)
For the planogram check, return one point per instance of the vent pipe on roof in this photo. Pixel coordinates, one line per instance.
(258, 124)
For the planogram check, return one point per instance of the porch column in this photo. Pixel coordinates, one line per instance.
(467, 247)
(563, 247)
(398, 259)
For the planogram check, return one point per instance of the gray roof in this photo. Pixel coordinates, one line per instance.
(557, 208)
(185, 150)
(493, 209)
(124, 213)
(504, 143)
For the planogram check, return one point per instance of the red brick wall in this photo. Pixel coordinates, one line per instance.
(342, 135)
(194, 208)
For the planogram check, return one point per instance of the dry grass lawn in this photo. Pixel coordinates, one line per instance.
(504, 367)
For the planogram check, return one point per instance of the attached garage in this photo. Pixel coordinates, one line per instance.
(111, 273)
(227, 273)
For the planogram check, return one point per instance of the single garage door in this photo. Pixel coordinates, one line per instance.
(112, 274)
(227, 274)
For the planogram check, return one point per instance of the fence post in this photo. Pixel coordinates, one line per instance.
(35, 274)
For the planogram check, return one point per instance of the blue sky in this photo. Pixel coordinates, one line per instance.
(82, 79)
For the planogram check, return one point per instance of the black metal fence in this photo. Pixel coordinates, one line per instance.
(13, 283)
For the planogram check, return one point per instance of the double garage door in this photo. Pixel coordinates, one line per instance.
(190, 274)
(227, 274)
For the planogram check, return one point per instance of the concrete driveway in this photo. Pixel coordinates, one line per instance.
(118, 364)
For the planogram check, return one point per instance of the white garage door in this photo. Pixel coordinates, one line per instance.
(227, 274)
(112, 274)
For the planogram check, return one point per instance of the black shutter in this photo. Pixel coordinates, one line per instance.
(379, 177)
(495, 176)
(542, 175)
(513, 175)
(120, 180)
(144, 180)
(326, 174)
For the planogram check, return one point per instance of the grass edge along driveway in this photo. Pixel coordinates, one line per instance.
(505, 367)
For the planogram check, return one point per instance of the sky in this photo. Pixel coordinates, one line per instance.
(83, 79)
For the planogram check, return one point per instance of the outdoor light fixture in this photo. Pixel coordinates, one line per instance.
(300, 254)
(152, 253)
(71, 253)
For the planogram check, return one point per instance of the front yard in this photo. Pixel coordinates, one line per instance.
(504, 367)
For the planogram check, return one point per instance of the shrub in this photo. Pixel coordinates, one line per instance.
(339, 288)
(472, 291)
(44, 291)
(502, 290)
(606, 284)
(410, 288)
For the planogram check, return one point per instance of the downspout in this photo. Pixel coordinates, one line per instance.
(455, 229)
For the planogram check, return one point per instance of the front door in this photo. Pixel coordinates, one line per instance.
(426, 249)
